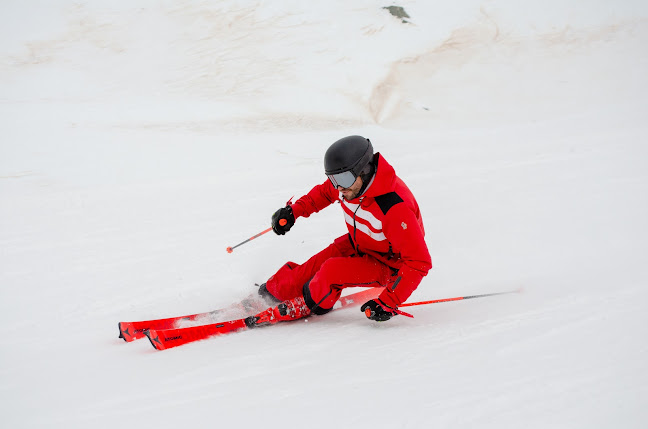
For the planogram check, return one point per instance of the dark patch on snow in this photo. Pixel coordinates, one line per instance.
(398, 12)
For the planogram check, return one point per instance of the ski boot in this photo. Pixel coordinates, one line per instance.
(291, 309)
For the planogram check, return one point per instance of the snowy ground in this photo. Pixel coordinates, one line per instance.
(139, 140)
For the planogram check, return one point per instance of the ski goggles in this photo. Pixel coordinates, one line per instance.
(344, 179)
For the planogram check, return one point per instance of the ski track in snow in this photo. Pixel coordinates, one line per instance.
(138, 141)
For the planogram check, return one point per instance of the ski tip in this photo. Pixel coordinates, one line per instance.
(154, 338)
(125, 331)
(128, 333)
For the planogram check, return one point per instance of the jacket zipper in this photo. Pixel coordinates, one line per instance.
(355, 243)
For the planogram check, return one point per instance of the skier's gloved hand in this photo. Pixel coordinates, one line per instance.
(378, 310)
(282, 220)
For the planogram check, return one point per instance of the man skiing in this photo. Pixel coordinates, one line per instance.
(385, 245)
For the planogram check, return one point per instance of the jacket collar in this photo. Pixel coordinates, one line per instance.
(381, 183)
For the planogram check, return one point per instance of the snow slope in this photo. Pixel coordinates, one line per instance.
(138, 140)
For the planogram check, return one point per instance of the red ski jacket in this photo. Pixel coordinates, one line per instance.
(385, 222)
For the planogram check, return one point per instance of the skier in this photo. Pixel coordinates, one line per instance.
(385, 245)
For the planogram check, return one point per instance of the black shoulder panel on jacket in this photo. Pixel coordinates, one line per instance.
(387, 201)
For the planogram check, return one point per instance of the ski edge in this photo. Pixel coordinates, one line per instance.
(131, 331)
(163, 339)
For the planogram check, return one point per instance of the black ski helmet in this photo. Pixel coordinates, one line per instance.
(349, 154)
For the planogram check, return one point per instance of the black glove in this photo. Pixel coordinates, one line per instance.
(282, 220)
(378, 310)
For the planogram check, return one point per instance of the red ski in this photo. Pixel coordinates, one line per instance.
(131, 331)
(163, 339)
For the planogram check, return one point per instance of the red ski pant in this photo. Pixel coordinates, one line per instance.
(322, 278)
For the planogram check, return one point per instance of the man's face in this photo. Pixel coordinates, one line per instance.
(352, 191)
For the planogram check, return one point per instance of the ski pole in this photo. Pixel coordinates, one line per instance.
(282, 222)
(459, 298)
